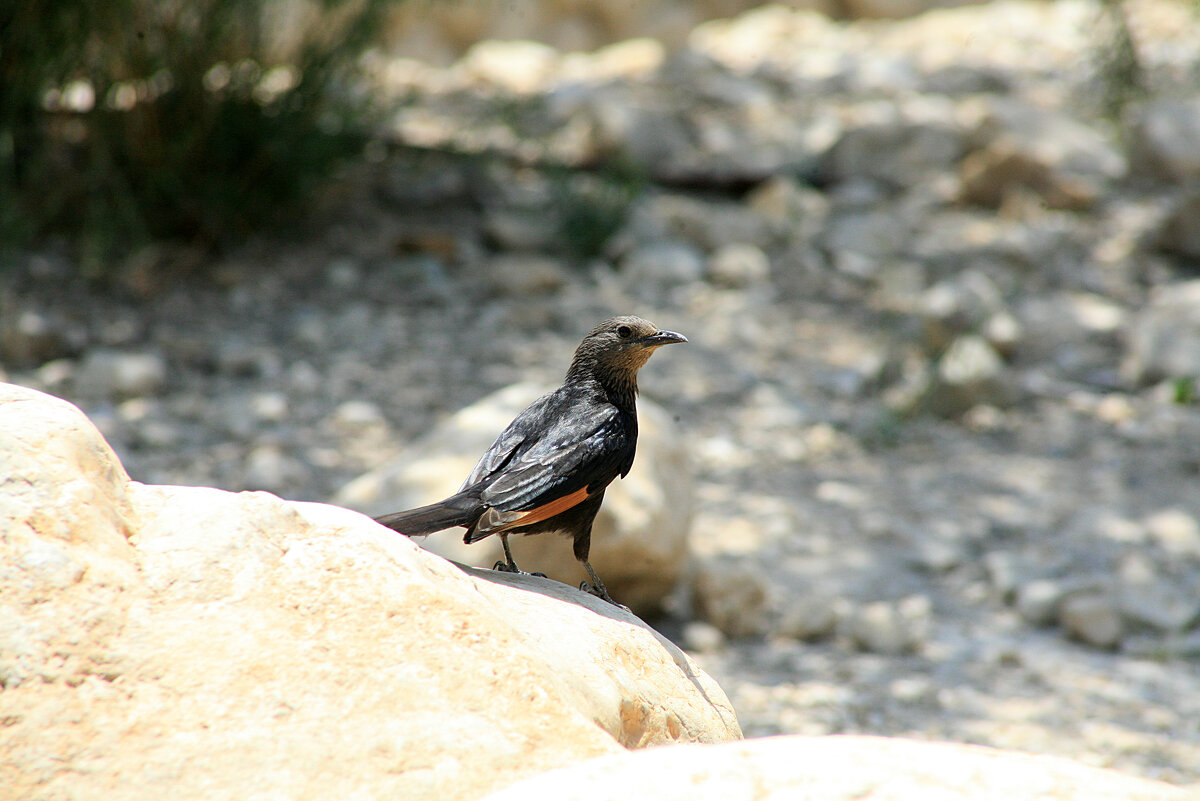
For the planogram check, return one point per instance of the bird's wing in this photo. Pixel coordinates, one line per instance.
(510, 442)
(579, 453)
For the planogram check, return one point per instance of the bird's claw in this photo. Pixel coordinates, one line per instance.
(509, 567)
(601, 593)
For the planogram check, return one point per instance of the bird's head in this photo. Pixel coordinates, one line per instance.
(621, 345)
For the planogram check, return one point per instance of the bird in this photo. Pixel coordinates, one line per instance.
(548, 470)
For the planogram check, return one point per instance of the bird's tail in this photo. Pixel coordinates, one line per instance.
(462, 509)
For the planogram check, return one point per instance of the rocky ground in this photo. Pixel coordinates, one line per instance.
(941, 389)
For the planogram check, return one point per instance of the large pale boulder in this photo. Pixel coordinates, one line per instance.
(189, 643)
(639, 542)
(841, 768)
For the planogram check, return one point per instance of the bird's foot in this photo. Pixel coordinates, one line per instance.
(597, 587)
(511, 567)
(602, 593)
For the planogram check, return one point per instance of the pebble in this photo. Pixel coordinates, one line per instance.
(343, 274)
(1164, 336)
(269, 407)
(663, 264)
(269, 468)
(1166, 139)
(898, 144)
(795, 210)
(1005, 571)
(519, 66)
(521, 274)
(1159, 605)
(358, 414)
(1176, 531)
(738, 265)
(890, 628)
(120, 374)
(966, 303)
(731, 595)
(522, 229)
(702, 637)
(1093, 618)
(1065, 163)
(30, 338)
(1004, 332)
(303, 378)
(807, 619)
(1180, 230)
(237, 358)
(970, 373)
(1038, 601)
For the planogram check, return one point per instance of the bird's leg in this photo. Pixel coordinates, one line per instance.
(510, 566)
(597, 587)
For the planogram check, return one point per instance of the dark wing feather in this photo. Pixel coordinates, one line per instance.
(589, 448)
(511, 441)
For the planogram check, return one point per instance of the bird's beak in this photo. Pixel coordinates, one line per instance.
(663, 338)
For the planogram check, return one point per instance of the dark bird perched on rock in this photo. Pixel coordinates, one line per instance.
(548, 470)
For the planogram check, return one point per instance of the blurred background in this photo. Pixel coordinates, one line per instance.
(931, 458)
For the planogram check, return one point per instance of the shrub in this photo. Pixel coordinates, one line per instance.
(125, 120)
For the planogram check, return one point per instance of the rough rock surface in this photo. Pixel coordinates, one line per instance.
(639, 542)
(187, 642)
(835, 769)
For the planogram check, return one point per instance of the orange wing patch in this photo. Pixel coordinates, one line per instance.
(546, 511)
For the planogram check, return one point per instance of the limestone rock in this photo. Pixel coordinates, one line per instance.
(1180, 231)
(1166, 139)
(1159, 605)
(30, 338)
(639, 542)
(732, 595)
(197, 644)
(807, 618)
(739, 265)
(117, 374)
(662, 265)
(898, 145)
(704, 224)
(1038, 601)
(1061, 161)
(891, 628)
(64, 557)
(524, 274)
(1164, 338)
(968, 374)
(702, 637)
(891, 9)
(1176, 531)
(792, 209)
(1094, 618)
(959, 305)
(1077, 332)
(519, 66)
(838, 768)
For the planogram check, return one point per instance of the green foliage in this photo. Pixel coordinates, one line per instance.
(124, 120)
(595, 205)
(1122, 77)
(1183, 390)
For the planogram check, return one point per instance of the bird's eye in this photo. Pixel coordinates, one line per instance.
(624, 331)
